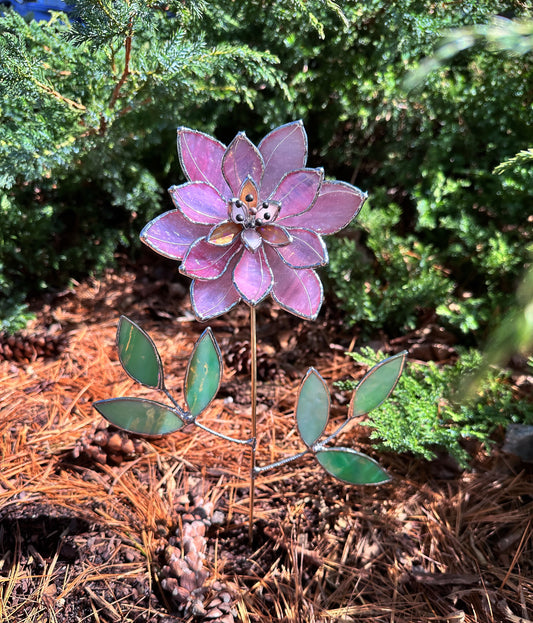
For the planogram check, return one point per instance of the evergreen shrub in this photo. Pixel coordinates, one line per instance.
(441, 231)
(89, 109)
(88, 115)
(432, 408)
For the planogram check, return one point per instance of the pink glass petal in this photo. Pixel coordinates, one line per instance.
(200, 202)
(207, 261)
(283, 150)
(252, 277)
(307, 250)
(201, 158)
(241, 160)
(297, 192)
(171, 234)
(336, 205)
(275, 235)
(298, 291)
(215, 297)
(251, 239)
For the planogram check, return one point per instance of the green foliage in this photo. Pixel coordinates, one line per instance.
(455, 236)
(429, 411)
(88, 114)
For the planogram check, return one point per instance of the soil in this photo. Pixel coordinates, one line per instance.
(99, 525)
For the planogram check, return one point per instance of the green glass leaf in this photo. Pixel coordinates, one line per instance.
(204, 373)
(377, 385)
(312, 409)
(351, 466)
(141, 416)
(138, 354)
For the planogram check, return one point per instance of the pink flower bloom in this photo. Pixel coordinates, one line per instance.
(249, 222)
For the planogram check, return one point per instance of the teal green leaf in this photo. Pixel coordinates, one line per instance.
(138, 354)
(351, 466)
(204, 373)
(312, 409)
(377, 385)
(141, 416)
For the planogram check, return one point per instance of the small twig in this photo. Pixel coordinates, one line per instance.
(126, 71)
(57, 95)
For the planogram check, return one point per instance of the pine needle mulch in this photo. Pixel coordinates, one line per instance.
(88, 518)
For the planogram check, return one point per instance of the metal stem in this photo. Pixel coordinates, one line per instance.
(244, 442)
(335, 433)
(186, 417)
(280, 463)
(253, 446)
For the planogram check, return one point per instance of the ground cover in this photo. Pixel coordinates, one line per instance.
(97, 525)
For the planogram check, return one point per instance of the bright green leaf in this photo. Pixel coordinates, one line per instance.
(204, 373)
(141, 416)
(377, 385)
(138, 354)
(352, 466)
(312, 410)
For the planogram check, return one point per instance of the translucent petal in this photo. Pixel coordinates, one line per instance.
(200, 202)
(252, 239)
(337, 204)
(377, 385)
(299, 291)
(249, 192)
(351, 466)
(138, 354)
(171, 234)
(140, 416)
(201, 158)
(267, 212)
(215, 297)
(207, 261)
(296, 192)
(312, 408)
(274, 235)
(307, 250)
(204, 373)
(224, 233)
(241, 160)
(283, 150)
(253, 277)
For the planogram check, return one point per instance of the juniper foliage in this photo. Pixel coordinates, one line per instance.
(430, 412)
(88, 113)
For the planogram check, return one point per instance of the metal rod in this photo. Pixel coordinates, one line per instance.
(244, 442)
(280, 463)
(253, 392)
(335, 433)
(186, 417)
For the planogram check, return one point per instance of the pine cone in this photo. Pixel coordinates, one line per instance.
(105, 446)
(25, 347)
(183, 573)
(238, 358)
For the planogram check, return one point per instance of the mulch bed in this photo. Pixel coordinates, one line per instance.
(98, 525)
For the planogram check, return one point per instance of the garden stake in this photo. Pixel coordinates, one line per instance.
(249, 223)
(253, 447)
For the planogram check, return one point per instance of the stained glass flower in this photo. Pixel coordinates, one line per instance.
(250, 220)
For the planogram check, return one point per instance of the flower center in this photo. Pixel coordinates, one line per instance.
(247, 213)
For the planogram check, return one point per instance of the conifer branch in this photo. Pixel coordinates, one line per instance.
(57, 95)
(125, 73)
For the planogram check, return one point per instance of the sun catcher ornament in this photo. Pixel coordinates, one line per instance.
(249, 223)
(250, 220)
